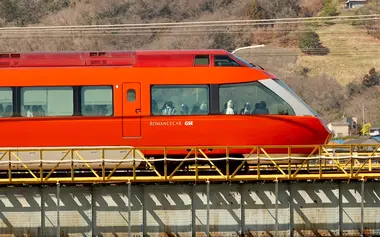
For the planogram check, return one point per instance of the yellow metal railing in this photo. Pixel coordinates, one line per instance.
(127, 164)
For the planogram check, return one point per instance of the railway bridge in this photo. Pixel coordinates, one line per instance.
(102, 191)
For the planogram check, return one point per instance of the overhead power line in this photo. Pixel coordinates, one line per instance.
(273, 21)
(155, 27)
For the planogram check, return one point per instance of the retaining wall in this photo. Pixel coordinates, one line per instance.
(304, 209)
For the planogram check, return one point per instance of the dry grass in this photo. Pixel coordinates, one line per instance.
(352, 53)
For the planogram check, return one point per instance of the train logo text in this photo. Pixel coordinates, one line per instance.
(170, 123)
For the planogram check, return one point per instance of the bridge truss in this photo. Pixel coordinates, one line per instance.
(128, 164)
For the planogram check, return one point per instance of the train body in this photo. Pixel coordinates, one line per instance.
(149, 99)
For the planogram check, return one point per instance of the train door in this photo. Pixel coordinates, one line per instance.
(131, 110)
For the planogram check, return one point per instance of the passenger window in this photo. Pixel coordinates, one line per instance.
(251, 98)
(6, 102)
(131, 95)
(225, 61)
(202, 60)
(97, 101)
(47, 101)
(180, 100)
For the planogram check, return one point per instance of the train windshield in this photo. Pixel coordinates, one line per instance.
(261, 97)
(287, 94)
(252, 98)
(243, 61)
(248, 64)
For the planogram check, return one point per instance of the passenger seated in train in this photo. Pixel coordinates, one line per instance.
(28, 111)
(169, 109)
(203, 109)
(1, 111)
(185, 109)
(261, 108)
(195, 109)
(283, 112)
(8, 111)
(230, 108)
(246, 109)
(37, 111)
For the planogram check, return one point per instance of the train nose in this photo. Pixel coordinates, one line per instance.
(328, 130)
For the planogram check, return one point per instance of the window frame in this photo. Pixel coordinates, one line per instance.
(76, 100)
(80, 101)
(250, 82)
(13, 101)
(208, 56)
(20, 101)
(227, 56)
(135, 95)
(176, 86)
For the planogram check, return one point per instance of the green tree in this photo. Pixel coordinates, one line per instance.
(329, 8)
(311, 44)
(366, 129)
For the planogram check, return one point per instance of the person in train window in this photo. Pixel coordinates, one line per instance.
(195, 109)
(35, 111)
(246, 109)
(8, 111)
(169, 110)
(230, 107)
(28, 112)
(283, 112)
(203, 109)
(40, 110)
(263, 106)
(257, 109)
(163, 108)
(1, 111)
(224, 108)
(185, 109)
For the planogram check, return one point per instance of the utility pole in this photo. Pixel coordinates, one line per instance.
(363, 112)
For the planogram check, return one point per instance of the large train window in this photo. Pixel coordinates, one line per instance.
(251, 98)
(225, 61)
(47, 101)
(97, 101)
(202, 60)
(180, 100)
(6, 102)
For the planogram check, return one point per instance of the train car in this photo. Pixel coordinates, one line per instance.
(172, 98)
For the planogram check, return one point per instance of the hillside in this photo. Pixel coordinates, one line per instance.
(320, 80)
(352, 53)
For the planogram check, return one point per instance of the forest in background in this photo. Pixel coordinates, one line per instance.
(292, 50)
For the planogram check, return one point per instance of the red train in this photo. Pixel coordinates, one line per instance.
(148, 99)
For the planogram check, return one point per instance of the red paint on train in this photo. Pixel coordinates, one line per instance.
(131, 123)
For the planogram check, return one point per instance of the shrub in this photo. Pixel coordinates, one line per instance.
(372, 78)
(310, 44)
(329, 9)
(353, 89)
